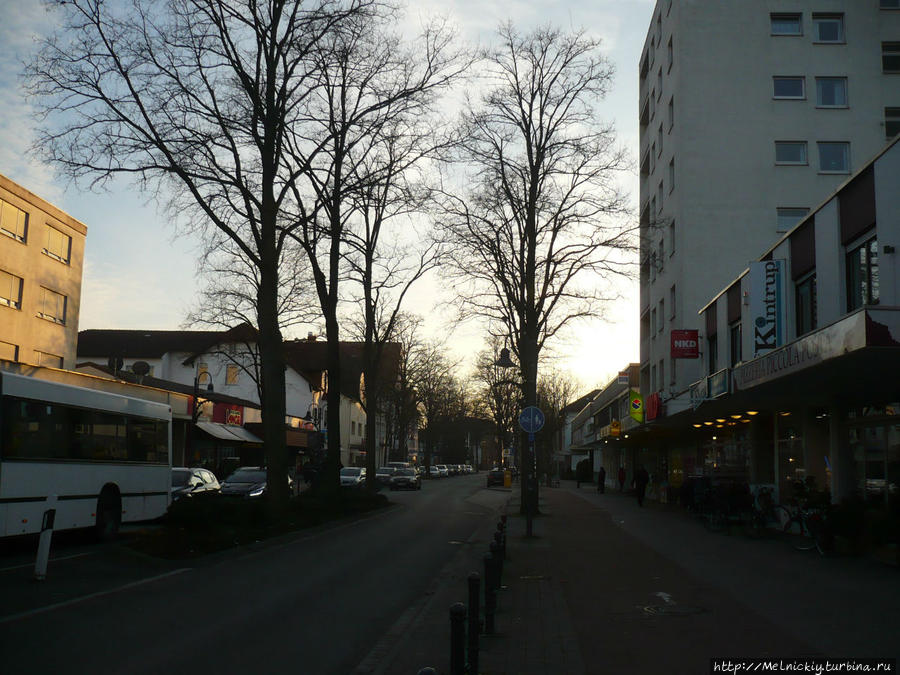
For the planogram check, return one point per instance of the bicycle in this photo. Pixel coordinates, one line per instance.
(809, 525)
(763, 511)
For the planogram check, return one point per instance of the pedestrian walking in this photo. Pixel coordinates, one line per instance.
(601, 480)
(641, 478)
(621, 479)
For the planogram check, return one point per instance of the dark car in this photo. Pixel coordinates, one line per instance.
(187, 482)
(247, 481)
(406, 479)
(383, 475)
(495, 477)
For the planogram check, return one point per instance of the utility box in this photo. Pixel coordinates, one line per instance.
(507, 478)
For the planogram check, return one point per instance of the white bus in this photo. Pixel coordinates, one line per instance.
(106, 457)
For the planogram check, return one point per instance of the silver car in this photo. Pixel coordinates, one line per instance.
(353, 476)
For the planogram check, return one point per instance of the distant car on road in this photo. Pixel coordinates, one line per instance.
(444, 470)
(383, 475)
(406, 479)
(187, 482)
(495, 477)
(247, 481)
(353, 476)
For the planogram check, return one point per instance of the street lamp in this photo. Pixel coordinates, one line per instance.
(195, 413)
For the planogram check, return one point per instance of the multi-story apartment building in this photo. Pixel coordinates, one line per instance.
(41, 258)
(751, 114)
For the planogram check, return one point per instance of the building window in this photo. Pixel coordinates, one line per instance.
(659, 197)
(789, 87)
(58, 245)
(672, 303)
(862, 275)
(662, 316)
(787, 217)
(10, 290)
(48, 360)
(671, 174)
(653, 266)
(790, 152)
(231, 374)
(652, 378)
(828, 27)
(662, 254)
(13, 221)
(735, 339)
(786, 24)
(889, 4)
(659, 139)
(890, 57)
(712, 350)
(653, 157)
(834, 157)
(8, 351)
(653, 322)
(659, 83)
(671, 113)
(672, 237)
(671, 55)
(805, 302)
(653, 211)
(891, 121)
(662, 373)
(831, 92)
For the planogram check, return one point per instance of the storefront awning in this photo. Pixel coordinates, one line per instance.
(228, 432)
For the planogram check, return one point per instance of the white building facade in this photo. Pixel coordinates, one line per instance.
(751, 114)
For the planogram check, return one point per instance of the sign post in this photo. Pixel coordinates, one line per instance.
(531, 420)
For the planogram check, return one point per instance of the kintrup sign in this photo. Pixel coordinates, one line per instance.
(767, 305)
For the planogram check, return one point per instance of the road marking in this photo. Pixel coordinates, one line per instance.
(31, 564)
(91, 596)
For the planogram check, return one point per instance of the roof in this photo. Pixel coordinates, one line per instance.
(147, 344)
(309, 357)
(578, 405)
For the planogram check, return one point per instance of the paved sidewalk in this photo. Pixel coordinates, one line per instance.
(588, 594)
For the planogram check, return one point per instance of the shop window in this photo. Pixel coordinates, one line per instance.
(735, 340)
(862, 275)
(805, 303)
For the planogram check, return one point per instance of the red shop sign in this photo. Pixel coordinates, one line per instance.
(685, 344)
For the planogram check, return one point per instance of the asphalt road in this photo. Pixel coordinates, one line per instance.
(309, 603)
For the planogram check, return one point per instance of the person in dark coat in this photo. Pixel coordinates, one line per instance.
(641, 478)
(621, 479)
(601, 480)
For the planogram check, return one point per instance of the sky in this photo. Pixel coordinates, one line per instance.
(140, 272)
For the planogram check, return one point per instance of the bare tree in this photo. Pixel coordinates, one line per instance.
(198, 99)
(370, 83)
(555, 390)
(539, 233)
(499, 392)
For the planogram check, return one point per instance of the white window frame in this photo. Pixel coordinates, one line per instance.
(801, 144)
(779, 227)
(819, 18)
(845, 145)
(791, 78)
(784, 16)
(9, 295)
(838, 78)
(53, 304)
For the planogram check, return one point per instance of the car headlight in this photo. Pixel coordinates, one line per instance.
(257, 491)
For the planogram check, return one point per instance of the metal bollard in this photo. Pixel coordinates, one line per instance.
(501, 544)
(490, 595)
(427, 671)
(474, 626)
(457, 639)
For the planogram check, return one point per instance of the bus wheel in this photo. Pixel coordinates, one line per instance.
(109, 515)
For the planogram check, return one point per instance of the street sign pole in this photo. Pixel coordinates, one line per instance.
(531, 421)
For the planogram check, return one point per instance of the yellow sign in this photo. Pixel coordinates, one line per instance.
(615, 428)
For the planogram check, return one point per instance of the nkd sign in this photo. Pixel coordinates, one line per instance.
(685, 344)
(767, 310)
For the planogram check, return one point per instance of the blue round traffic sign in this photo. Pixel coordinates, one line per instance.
(531, 419)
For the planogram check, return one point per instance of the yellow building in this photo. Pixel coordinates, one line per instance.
(41, 259)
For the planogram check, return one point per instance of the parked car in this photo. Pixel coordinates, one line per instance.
(406, 479)
(383, 475)
(353, 476)
(444, 470)
(399, 465)
(247, 481)
(495, 477)
(433, 471)
(187, 482)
